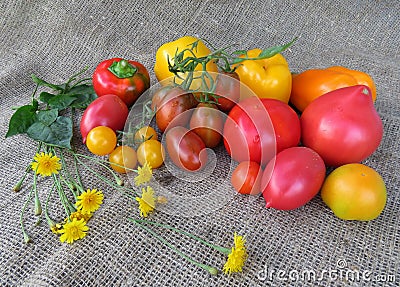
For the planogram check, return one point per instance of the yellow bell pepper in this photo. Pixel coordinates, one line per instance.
(170, 49)
(267, 78)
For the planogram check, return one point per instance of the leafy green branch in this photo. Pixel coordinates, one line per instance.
(43, 119)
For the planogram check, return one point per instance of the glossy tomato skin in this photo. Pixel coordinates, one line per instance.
(292, 178)
(342, 126)
(246, 178)
(108, 110)
(152, 152)
(127, 88)
(186, 149)
(355, 192)
(256, 129)
(123, 159)
(227, 88)
(174, 108)
(207, 122)
(101, 140)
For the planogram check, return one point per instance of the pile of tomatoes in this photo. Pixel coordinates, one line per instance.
(283, 144)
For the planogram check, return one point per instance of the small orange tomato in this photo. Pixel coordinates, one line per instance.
(101, 140)
(354, 192)
(123, 159)
(152, 152)
(145, 133)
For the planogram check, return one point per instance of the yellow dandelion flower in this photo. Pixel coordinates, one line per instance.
(78, 215)
(46, 164)
(237, 257)
(89, 201)
(147, 202)
(73, 230)
(144, 174)
(56, 228)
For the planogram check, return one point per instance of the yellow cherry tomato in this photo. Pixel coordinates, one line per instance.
(101, 140)
(354, 192)
(122, 159)
(152, 152)
(145, 133)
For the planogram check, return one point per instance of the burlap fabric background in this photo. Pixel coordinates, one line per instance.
(55, 39)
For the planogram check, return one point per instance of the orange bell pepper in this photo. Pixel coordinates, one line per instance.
(313, 83)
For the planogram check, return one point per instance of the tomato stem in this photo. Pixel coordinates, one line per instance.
(122, 69)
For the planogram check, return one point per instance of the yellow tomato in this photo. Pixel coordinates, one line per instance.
(122, 159)
(354, 192)
(152, 152)
(167, 52)
(101, 140)
(145, 133)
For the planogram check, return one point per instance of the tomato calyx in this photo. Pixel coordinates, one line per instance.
(122, 69)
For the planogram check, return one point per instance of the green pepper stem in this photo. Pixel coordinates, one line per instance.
(122, 69)
(216, 247)
(211, 270)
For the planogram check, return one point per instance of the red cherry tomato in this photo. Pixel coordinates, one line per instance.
(207, 122)
(246, 178)
(186, 149)
(124, 78)
(108, 110)
(227, 88)
(173, 106)
(256, 129)
(292, 178)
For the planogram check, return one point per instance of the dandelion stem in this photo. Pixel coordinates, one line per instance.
(100, 162)
(112, 184)
(38, 206)
(63, 198)
(21, 219)
(210, 269)
(216, 247)
(46, 210)
(18, 186)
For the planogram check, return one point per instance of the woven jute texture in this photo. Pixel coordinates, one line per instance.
(55, 39)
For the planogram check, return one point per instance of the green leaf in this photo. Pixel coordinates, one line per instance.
(47, 117)
(45, 97)
(84, 95)
(240, 52)
(270, 52)
(59, 133)
(61, 101)
(21, 120)
(43, 83)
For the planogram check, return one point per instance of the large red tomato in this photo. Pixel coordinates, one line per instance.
(108, 110)
(342, 126)
(292, 178)
(256, 129)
